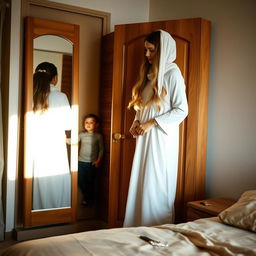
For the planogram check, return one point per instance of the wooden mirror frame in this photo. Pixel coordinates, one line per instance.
(37, 27)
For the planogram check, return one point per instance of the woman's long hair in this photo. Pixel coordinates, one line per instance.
(42, 78)
(148, 74)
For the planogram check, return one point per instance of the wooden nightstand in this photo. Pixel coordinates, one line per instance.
(207, 208)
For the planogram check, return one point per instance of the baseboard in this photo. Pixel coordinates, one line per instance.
(8, 236)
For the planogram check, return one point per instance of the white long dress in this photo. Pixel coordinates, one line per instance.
(51, 172)
(153, 179)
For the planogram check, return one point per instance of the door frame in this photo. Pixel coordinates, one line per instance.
(105, 17)
(70, 8)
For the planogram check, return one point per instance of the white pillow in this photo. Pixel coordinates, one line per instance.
(242, 214)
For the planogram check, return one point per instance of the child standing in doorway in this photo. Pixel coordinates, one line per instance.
(90, 155)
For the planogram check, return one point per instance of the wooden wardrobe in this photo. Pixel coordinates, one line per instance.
(122, 54)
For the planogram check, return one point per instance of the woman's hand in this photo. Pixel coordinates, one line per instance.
(145, 127)
(134, 127)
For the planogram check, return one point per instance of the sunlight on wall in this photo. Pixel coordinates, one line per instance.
(11, 170)
(12, 147)
(74, 140)
(14, 85)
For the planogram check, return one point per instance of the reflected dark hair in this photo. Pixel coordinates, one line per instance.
(42, 78)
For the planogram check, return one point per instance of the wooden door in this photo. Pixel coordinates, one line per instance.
(192, 37)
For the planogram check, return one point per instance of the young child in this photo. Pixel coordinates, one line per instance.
(90, 155)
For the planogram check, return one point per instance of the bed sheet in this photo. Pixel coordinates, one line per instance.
(201, 238)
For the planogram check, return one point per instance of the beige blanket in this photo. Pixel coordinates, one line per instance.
(202, 237)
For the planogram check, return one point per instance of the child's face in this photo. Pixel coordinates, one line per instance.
(90, 124)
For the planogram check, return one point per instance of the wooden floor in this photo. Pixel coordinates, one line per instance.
(6, 244)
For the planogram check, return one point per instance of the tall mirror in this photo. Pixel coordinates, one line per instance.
(51, 179)
(50, 122)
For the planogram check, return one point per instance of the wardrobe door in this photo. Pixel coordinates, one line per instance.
(192, 37)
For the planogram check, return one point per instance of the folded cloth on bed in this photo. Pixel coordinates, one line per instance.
(217, 238)
(242, 214)
(203, 237)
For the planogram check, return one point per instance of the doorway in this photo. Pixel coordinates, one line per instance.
(93, 25)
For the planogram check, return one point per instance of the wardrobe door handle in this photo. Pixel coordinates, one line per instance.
(118, 136)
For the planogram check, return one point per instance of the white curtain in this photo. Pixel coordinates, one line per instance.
(3, 6)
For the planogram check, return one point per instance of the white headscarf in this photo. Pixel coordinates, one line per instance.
(167, 57)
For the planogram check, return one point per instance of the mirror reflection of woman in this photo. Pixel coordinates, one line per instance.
(52, 117)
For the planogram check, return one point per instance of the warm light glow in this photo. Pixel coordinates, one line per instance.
(51, 209)
(28, 146)
(47, 163)
(41, 150)
(47, 151)
(74, 139)
(12, 148)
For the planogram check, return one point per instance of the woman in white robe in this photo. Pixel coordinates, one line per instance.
(52, 117)
(160, 101)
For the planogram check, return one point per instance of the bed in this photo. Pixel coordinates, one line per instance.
(231, 233)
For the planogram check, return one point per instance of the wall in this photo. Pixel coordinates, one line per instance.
(122, 11)
(4, 101)
(12, 115)
(231, 152)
